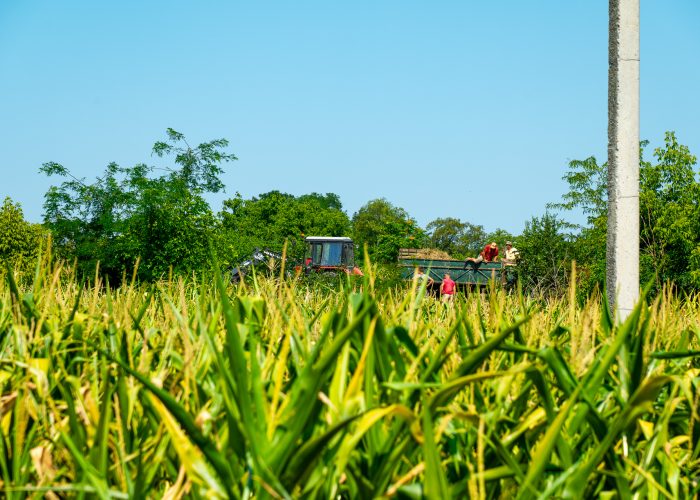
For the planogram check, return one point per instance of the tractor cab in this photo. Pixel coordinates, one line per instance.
(330, 253)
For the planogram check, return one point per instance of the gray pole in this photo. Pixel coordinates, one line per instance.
(623, 157)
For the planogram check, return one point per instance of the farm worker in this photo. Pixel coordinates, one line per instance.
(447, 288)
(488, 254)
(512, 255)
(510, 260)
(423, 277)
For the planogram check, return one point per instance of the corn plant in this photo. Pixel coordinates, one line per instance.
(277, 389)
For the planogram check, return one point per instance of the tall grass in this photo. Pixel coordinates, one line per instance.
(279, 389)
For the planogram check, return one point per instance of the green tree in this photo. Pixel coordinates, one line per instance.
(588, 192)
(500, 236)
(459, 239)
(669, 198)
(385, 228)
(270, 219)
(130, 213)
(546, 252)
(19, 240)
(463, 239)
(670, 215)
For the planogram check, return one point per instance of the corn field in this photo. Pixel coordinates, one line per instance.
(276, 389)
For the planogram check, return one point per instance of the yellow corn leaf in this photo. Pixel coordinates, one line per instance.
(39, 368)
(339, 382)
(647, 428)
(536, 418)
(363, 425)
(191, 457)
(6, 403)
(43, 463)
(359, 375)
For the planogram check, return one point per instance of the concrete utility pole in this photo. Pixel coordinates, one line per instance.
(623, 157)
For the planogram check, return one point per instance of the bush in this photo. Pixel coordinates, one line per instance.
(20, 240)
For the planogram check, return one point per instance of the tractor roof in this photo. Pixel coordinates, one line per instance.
(341, 239)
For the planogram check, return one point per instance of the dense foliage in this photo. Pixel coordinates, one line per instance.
(382, 229)
(669, 198)
(129, 214)
(459, 239)
(187, 388)
(547, 254)
(20, 240)
(267, 221)
(166, 384)
(164, 222)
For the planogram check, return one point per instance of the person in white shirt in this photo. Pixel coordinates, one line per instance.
(510, 261)
(511, 255)
(422, 276)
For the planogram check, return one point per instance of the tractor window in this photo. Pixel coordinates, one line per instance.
(348, 257)
(331, 254)
(316, 251)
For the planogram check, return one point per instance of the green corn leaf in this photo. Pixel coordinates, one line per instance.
(674, 354)
(183, 418)
(237, 362)
(306, 458)
(190, 456)
(363, 425)
(507, 457)
(100, 449)
(258, 394)
(303, 396)
(436, 486)
(478, 355)
(638, 404)
(438, 358)
(448, 389)
(92, 475)
(542, 452)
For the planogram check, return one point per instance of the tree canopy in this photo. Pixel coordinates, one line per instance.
(384, 228)
(160, 217)
(270, 219)
(459, 239)
(19, 240)
(131, 213)
(669, 199)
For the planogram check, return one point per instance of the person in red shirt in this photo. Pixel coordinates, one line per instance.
(447, 288)
(488, 254)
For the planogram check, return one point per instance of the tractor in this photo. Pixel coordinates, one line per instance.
(330, 254)
(325, 254)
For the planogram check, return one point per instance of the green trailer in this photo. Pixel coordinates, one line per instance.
(480, 274)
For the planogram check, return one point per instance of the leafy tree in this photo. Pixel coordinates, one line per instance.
(546, 252)
(459, 239)
(588, 191)
(270, 219)
(385, 228)
(463, 239)
(500, 236)
(670, 215)
(19, 240)
(396, 235)
(130, 213)
(669, 197)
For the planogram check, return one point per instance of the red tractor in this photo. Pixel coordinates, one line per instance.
(330, 253)
(324, 254)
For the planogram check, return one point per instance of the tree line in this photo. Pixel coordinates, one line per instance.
(160, 219)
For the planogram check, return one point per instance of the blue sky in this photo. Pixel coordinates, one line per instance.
(454, 108)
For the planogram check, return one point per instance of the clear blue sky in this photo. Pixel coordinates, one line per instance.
(454, 108)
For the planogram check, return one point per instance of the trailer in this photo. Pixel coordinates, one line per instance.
(461, 273)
